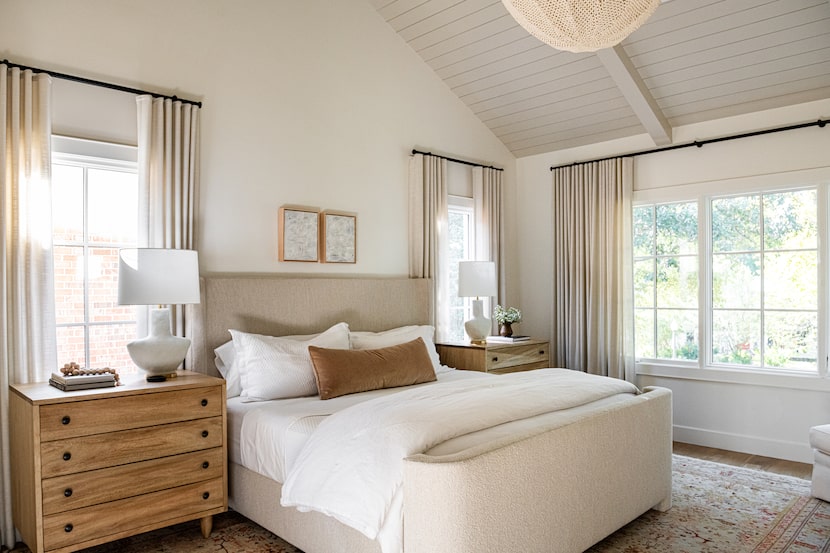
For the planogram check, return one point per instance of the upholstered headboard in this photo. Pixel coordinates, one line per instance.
(279, 305)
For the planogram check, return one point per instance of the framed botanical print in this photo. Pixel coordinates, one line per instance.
(299, 229)
(339, 233)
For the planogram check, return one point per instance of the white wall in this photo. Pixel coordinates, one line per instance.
(738, 411)
(307, 102)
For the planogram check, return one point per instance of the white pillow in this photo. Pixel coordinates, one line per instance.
(401, 335)
(278, 367)
(225, 358)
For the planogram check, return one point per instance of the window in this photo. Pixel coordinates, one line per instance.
(765, 280)
(666, 281)
(461, 238)
(755, 256)
(94, 213)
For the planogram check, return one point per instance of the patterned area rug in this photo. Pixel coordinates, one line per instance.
(717, 509)
(725, 509)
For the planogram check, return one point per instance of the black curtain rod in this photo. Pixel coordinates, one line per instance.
(84, 80)
(457, 160)
(700, 143)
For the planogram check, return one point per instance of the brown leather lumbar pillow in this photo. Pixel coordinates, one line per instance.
(340, 372)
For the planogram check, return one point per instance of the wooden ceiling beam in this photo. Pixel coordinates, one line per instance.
(634, 90)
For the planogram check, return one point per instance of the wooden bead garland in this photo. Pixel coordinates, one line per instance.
(73, 369)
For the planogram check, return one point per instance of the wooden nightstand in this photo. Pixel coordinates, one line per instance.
(93, 466)
(494, 357)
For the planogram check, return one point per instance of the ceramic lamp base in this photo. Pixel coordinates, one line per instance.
(160, 353)
(478, 328)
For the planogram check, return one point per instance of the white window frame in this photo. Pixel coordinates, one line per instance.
(465, 205)
(702, 193)
(90, 154)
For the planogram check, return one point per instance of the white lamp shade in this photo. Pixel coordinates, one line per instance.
(156, 276)
(476, 279)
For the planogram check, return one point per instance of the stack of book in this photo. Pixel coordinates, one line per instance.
(508, 339)
(82, 382)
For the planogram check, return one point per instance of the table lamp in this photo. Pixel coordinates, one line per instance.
(477, 279)
(155, 276)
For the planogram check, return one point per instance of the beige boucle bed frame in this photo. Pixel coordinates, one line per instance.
(554, 490)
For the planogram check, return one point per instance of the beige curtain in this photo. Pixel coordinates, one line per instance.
(28, 350)
(489, 216)
(592, 304)
(168, 179)
(427, 231)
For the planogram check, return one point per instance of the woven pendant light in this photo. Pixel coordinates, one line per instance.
(581, 25)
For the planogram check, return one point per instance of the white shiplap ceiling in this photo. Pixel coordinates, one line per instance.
(694, 60)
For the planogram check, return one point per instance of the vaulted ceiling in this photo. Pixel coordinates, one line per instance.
(692, 61)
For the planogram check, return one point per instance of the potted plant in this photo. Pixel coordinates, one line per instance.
(505, 317)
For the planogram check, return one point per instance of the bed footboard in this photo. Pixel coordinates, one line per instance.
(561, 489)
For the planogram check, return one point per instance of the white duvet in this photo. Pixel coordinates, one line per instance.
(351, 467)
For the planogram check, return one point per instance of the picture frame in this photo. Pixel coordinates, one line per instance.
(338, 231)
(299, 230)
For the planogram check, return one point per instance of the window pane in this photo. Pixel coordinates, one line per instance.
(790, 340)
(736, 224)
(791, 280)
(790, 220)
(113, 207)
(736, 281)
(69, 284)
(644, 283)
(677, 282)
(103, 288)
(108, 347)
(67, 203)
(676, 229)
(71, 345)
(677, 334)
(460, 228)
(644, 338)
(643, 231)
(736, 337)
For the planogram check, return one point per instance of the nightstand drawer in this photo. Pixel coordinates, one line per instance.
(74, 491)
(129, 446)
(505, 357)
(74, 527)
(96, 416)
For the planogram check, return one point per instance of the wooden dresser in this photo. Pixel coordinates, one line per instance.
(495, 357)
(93, 466)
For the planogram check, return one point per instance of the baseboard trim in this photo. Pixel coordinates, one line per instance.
(778, 449)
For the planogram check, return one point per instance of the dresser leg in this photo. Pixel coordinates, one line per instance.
(207, 525)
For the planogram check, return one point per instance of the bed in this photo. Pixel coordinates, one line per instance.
(555, 482)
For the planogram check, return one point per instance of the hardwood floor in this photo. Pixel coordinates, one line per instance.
(791, 468)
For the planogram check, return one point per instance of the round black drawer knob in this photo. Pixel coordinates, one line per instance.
(204, 433)
(67, 456)
(204, 403)
(495, 359)
(65, 420)
(67, 492)
(205, 465)
(67, 528)
(205, 495)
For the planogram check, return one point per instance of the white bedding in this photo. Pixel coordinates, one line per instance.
(267, 436)
(351, 467)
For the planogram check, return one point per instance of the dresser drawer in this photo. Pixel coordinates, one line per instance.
(503, 358)
(97, 416)
(74, 491)
(97, 451)
(73, 527)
